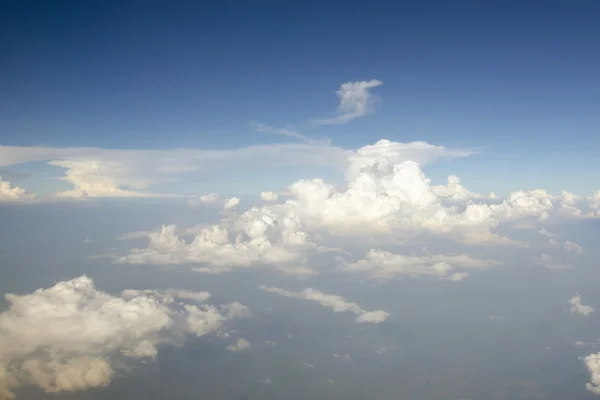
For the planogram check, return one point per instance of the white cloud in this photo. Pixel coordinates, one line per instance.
(544, 232)
(209, 198)
(385, 265)
(355, 101)
(70, 336)
(14, 194)
(133, 235)
(385, 195)
(578, 308)
(308, 365)
(592, 362)
(269, 196)
(88, 241)
(381, 350)
(254, 239)
(270, 343)
(345, 357)
(335, 302)
(96, 172)
(237, 310)
(573, 247)
(287, 133)
(240, 344)
(231, 203)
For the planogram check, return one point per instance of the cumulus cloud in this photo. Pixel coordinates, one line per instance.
(385, 265)
(240, 344)
(335, 302)
(73, 336)
(592, 362)
(578, 308)
(13, 194)
(385, 194)
(356, 101)
(231, 203)
(269, 196)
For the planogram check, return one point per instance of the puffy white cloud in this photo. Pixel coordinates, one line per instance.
(209, 198)
(252, 240)
(231, 203)
(385, 194)
(578, 308)
(240, 344)
(335, 302)
(592, 362)
(308, 365)
(13, 194)
(572, 247)
(269, 196)
(355, 101)
(68, 337)
(270, 343)
(385, 265)
(455, 191)
(237, 310)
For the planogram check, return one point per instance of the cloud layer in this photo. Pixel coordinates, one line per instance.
(99, 173)
(386, 195)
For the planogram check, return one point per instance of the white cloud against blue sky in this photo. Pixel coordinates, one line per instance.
(319, 192)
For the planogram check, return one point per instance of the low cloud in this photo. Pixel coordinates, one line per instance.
(240, 344)
(578, 308)
(335, 302)
(73, 336)
(14, 194)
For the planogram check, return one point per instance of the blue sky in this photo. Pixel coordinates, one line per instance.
(517, 82)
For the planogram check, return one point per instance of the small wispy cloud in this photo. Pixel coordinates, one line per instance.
(355, 101)
(263, 128)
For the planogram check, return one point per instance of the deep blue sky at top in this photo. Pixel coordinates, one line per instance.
(513, 78)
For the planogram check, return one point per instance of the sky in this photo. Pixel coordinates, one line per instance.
(299, 200)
